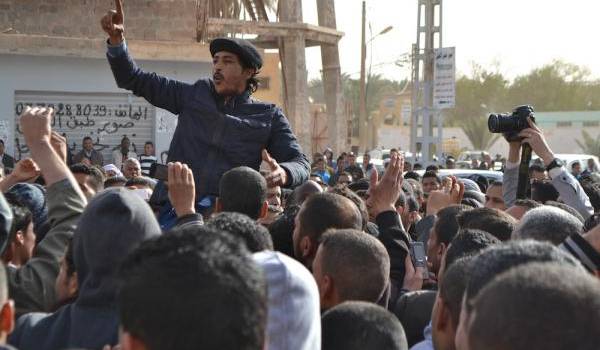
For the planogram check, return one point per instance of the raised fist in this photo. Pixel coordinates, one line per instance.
(113, 23)
(35, 125)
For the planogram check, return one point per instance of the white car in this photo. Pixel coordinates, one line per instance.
(570, 158)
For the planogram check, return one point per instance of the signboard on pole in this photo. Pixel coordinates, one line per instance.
(444, 78)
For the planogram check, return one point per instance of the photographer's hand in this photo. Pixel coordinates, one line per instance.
(535, 138)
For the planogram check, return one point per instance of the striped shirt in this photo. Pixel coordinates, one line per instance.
(146, 162)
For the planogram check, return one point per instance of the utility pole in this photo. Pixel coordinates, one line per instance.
(362, 116)
(423, 113)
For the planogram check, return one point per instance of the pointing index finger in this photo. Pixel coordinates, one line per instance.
(119, 5)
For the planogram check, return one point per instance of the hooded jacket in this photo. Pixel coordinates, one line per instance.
(114, 223)
(213, 136)
(294, 321)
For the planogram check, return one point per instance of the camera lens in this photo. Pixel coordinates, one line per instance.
(494, 123)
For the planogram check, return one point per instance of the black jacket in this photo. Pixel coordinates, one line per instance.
(212, 136)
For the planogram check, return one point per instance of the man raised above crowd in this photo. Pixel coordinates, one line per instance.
(220, 126)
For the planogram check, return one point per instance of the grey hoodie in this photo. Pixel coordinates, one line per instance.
(114, 223)
(294, 320)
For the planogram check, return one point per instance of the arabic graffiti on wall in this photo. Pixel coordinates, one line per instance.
(106, 123)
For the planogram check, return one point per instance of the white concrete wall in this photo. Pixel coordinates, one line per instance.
(70, 74)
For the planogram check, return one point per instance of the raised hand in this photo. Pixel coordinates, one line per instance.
(439, 200)
(384, 194)
(535, 138)
(59, 144)
(277, 175)
(35, 124)
(25, 170)
(113, 23)
(182, 189)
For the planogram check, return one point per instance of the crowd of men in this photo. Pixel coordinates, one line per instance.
(329, 264)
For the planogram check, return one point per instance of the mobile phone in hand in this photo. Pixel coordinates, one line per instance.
(159, 172)
(419, 257)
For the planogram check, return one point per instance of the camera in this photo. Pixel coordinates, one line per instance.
(511, 124)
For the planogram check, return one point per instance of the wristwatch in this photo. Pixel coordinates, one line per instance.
(555, 163)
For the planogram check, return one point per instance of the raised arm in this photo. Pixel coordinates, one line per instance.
(160, 91)
(569, 189)
(510, 178)
(32, 285)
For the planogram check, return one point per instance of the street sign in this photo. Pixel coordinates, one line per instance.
(444, 78)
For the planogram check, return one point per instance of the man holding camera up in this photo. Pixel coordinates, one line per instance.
(567, 186)
(220, 126)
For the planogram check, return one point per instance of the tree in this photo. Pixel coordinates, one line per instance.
(589, 145)
(557, 86)
(476, 97)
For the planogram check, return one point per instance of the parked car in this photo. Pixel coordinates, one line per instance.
(470, 174)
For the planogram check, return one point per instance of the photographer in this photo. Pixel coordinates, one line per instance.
(567, 186)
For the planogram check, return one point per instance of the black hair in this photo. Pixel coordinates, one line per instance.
(432, 174)
(115, 181)
(139, 181)
(243, 190)
(357, 263)
(446, 225)
(537, 306)
(494, 221)
(543, 191)
(452, 286)
(95, 179)
(255, 236)
(356, 199)
(502, 257)
(412, 175)
(199, 279)
(360, 184)
(323, 211)
(358, 325)
(282, 230)
(468, 242)
(548, 223)
(592, 189)
(87, 138)
(536, 167)
(527, 203)
(433, 168)
(149, 143)
(575, 163)
(252, 83)
(417, 166)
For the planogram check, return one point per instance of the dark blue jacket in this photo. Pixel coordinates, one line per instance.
(212, 136)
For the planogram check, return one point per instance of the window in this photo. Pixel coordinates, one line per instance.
(564, 124)
(591, 123)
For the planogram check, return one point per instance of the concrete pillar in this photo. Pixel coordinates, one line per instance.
(337, 125)
(293, 64)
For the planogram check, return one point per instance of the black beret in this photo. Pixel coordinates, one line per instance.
(242, 48)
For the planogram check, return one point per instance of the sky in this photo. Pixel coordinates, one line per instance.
(513, 35)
